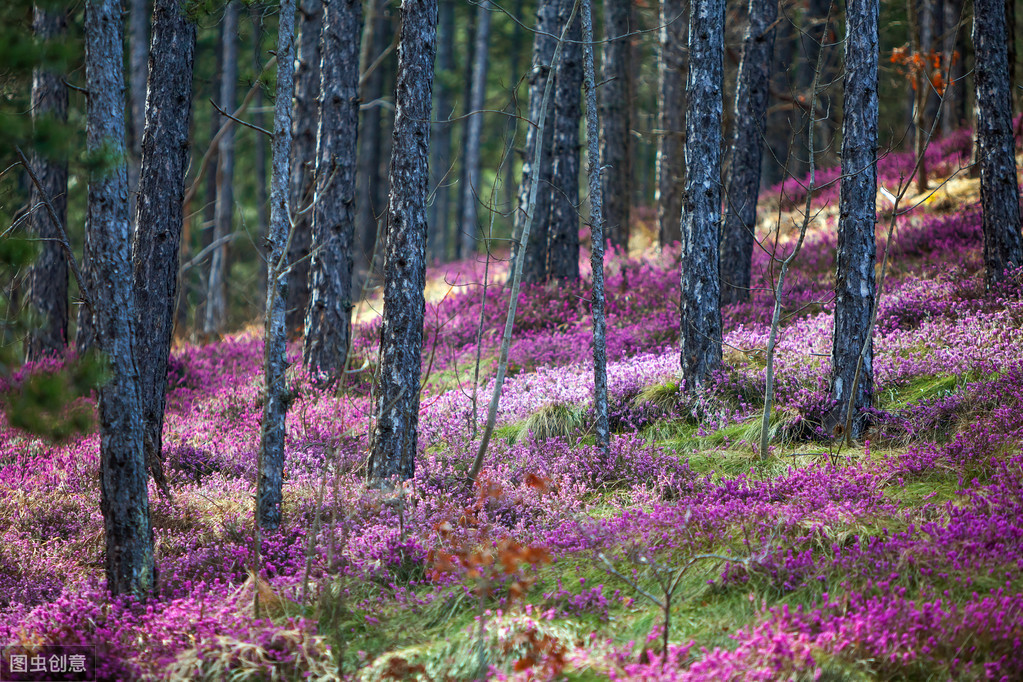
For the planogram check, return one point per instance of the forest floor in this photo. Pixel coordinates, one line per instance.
(898, 558)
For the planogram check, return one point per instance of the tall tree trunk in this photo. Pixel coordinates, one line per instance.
(138, 42)
(303, 160)
(743, 185)
(538, 168)
(216, 285)
(470, 60)
(393, 451)
(328, 321)
(701, 207)
(563, 230)
(259, 153)
(48, 277)
(370, 180)
(854, 279)
(999, 189)
(920, 32)
(270, 482)
(671, 120)
(601, 428)
(440, 150)
(515, 50)
(469, 228)
(1010, 45)
(124, 497)
(953, 114)
(159, 215)
(811, 36)
(616, 99)
(780, 120)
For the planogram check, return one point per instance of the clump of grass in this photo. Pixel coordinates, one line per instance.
(554, 420)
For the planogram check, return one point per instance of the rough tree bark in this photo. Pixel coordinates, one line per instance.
(601, 428)
(303, 159)
(440, 150)
(743, 186)
(371, 180)
(468, 229)
(999, 189)
(270, 482)
(328, 318)
(563, 229)
(538, 169)
(124, 497)
(159, 214)
(48, 277)
(854, 280)
(616, 99)
(216, 285)
(468, 62)
(671, 120)
(779, 120)
(701, 207)
(138, 61)
(393, 450)
(259, 153)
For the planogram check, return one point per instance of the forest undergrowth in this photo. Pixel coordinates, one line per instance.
(683, 555)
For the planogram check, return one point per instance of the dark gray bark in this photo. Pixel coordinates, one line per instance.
(159, 215)
(303, 159)
(393, 451)
(563, 225)
(138, 62)
(854, 279)
(671, 120)
(328, 319)
(701, 205)
(516, 48)
(216, 285)
(469, 228)
(48, 277)
(743, 186)
(538, 168)
(85, 335)
(811, 36)
(371, 180)
(259, 154)
(440, 149)
(124, 497)
(780, 119)
(467, 65)
(999, 189)
(270, 482)
(601, 428)
(616, 99)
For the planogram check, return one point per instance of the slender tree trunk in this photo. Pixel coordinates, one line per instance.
(138, 42)
(701, 207)
(469, 228)
(780, 119)
(393, 450)
(538, 168)
(515, 74)
(470, 60)
(328, 321)
(920, 30)
(159, 215)
(811, 36)
(85, 335)
(370, 179)
(269, 488)
(124, 497)
(954, 53)
(440, 150)
(743, 185)
(999, 189)
(216, 286)
(616, 98)
(854, 280)
(563, 230)
(671, 120)
(48, 277)
(303, 160)
(259, 154)
(601, 427)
